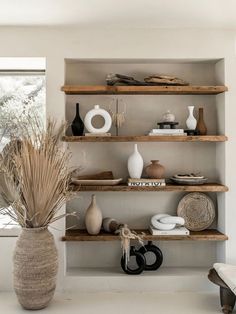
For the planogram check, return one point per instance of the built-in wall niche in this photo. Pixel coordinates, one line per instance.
(142, 114)
(144, 111)
(94, 72)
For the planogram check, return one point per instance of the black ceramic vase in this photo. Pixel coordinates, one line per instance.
(140, 261)
(150, 247)
(77, 125)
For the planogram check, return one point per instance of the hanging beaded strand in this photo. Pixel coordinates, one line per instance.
(118, 118)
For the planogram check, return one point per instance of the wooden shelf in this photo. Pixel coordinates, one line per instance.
(143, 138)
(207, 187)
(142, 90)
(206, 235)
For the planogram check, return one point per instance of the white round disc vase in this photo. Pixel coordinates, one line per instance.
(93, 217)
(191, 122)
(97, 111)
(135, 164)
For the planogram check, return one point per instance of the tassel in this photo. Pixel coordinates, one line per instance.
(126, 235)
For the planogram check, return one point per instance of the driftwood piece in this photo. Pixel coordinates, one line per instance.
(166, 77)
(120, 79)
(105, 175)
(165, 80)
(156, 79)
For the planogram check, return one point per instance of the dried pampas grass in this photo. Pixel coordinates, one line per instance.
(34, 175)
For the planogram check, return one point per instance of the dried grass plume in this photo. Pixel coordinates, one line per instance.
(34, 175)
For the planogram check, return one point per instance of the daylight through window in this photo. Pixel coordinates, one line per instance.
(21, 93)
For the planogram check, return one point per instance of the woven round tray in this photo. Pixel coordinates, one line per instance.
(198, 211)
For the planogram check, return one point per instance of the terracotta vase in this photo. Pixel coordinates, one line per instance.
(35, 263)
(93, 217)
(155, 170)
(201, 126)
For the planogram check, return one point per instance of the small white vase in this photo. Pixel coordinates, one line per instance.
(93, 217)
(135, 164)
(191, 122)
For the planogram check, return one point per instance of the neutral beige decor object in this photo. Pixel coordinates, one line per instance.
(168, 117)
(35, 268)
(155, 170)
(93, 217)
(34, 184)
(198, 211)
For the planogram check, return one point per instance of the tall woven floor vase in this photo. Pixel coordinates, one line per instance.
(35, 268)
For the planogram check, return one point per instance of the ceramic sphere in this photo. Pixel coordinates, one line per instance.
(168, 117)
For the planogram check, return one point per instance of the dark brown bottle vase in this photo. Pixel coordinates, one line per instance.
(77, 125)
(201, 126)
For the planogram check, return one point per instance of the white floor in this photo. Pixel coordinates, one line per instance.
(120, 303)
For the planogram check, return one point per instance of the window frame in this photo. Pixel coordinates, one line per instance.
(6, 230)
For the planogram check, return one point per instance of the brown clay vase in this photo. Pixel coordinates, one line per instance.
(155, 170)
(201, 126)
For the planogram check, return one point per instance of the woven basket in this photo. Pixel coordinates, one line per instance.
(35, 268)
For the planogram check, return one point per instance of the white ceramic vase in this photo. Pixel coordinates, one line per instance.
(97, 111)
(93, 217)
(135, 164)
(191, 122)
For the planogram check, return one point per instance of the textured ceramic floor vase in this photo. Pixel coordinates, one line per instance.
(93, 217)
(191, 122)
(35, 268)
(135, 164)
(155, 170)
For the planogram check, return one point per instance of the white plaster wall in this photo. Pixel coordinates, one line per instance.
(58, 43)
(7, 245)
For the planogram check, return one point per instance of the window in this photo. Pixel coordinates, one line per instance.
(22, 90)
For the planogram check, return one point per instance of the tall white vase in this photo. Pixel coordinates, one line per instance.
(93, 217)
(191, 122)
(135, 164)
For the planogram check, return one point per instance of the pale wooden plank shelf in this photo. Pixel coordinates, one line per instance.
(207, 187)
(142, 90)
(145, 138)
(206, 235)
